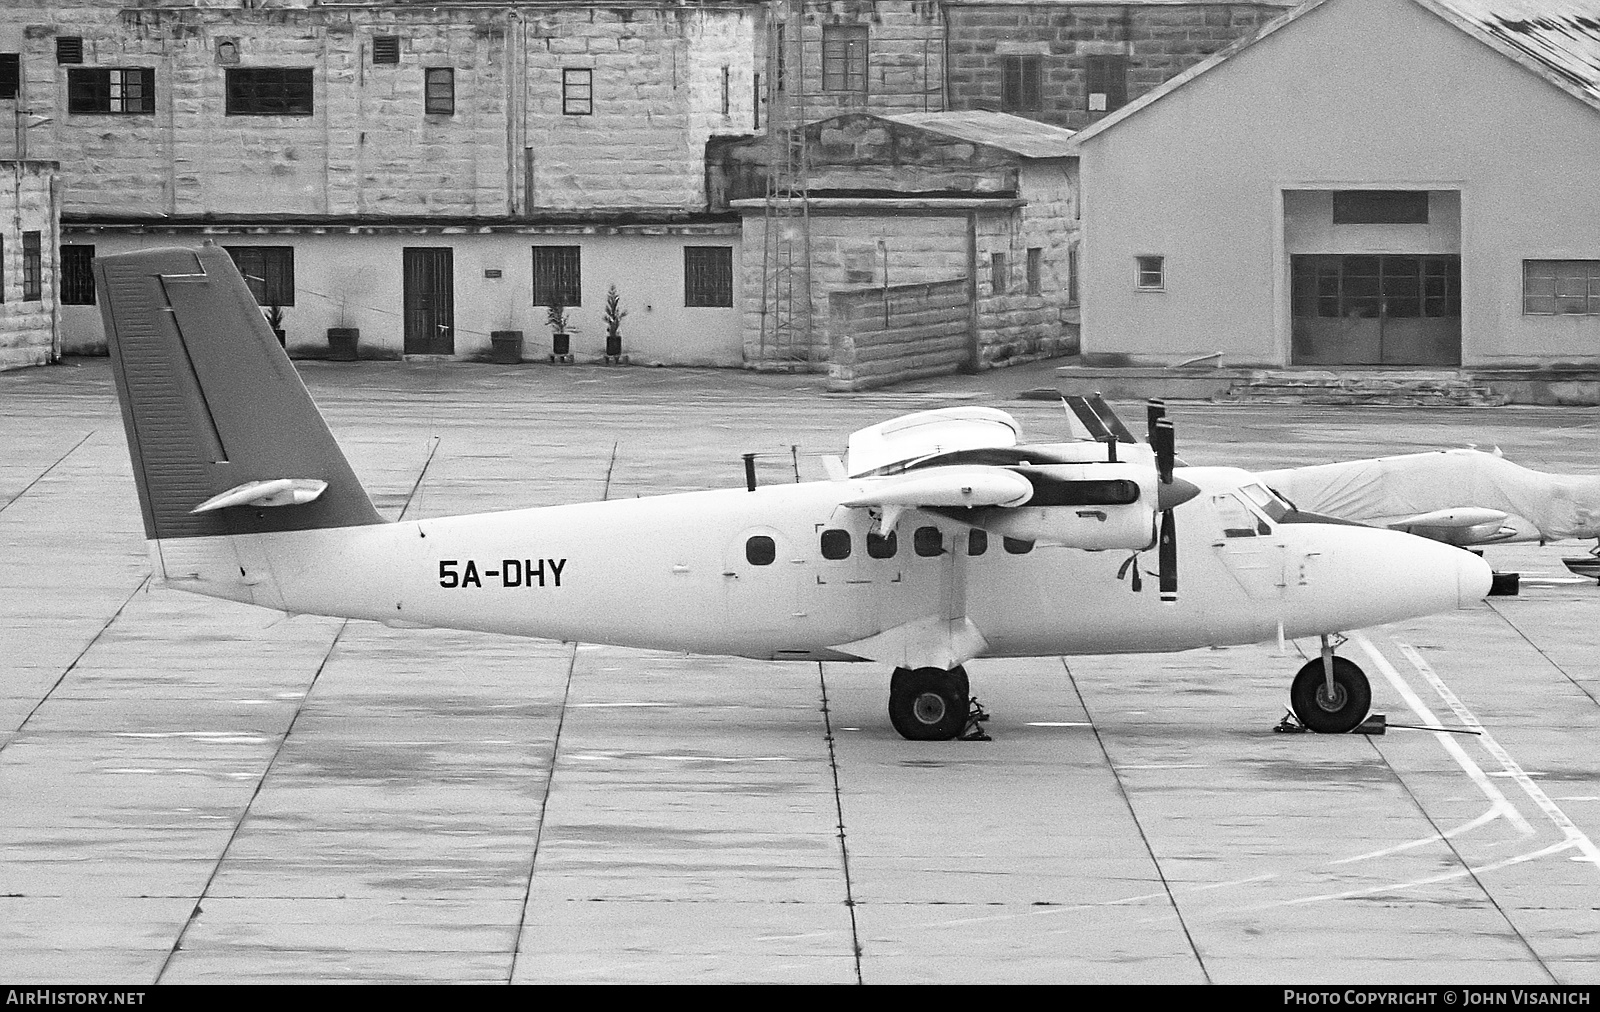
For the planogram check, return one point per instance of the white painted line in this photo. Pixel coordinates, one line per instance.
(1502, 804)
(1572, 833)
(1554, 848)
(1494, 812)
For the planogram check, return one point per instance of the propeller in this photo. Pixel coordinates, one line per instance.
(1172, 493)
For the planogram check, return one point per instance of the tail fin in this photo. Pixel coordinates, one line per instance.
(211, 404)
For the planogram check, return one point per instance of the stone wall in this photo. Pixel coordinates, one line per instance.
(905, 57)
(1160, 40)
(879, 336)
(369, 148)
(27, 204)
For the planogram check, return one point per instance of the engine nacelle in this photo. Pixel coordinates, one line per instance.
(1091, 506)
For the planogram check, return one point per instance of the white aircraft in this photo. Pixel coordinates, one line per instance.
(942, 537)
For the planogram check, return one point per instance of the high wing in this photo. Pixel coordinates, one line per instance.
(1461, 497)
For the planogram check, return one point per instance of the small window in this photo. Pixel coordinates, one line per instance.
(1152, 274)
(386, 49)
(577, 92)
(441, 91)
(130, 90)
(835, 544)
(227, 52)
(727, 90)
(1107, 83)
(1561, 287)
(1016, 546)
(10, 75)
(1072, 275)
(998, 272)
(880, 547)
(268, 271)
(1380, 207)
(32, 267)
(69, 49)
(556, 276)
(77, 276)
(844, 58)
(708, 276)
(1019, 83)
(269, 91)
(977, 541)
(928, 542)
(1035, 270)
(760, 550)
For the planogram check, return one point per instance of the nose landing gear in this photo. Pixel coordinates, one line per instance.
(1330, 694)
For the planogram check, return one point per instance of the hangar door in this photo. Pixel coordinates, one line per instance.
(1376, 309)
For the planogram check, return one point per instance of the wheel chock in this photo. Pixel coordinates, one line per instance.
(1376, 723)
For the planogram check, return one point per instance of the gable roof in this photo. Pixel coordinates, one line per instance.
(1557, 39)
(1025, 137)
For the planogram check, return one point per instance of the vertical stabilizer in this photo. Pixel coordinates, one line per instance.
(210, 401)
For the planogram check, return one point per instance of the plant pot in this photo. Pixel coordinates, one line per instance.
(613, 346)
(505, 347)
(561, 345)
(342, 343)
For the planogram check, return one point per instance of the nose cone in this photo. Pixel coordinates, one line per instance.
(1473, 579)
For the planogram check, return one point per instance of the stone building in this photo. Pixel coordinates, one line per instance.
(29, 236)
(1368, 183)
(1070, 63)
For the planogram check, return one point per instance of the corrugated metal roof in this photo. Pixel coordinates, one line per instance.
(1559, 39)
(1025, 137)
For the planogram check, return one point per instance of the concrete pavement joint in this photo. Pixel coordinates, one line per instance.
(261, 782)
(1144, 837)
(838, 804)
(45, 473)
(1552, 661)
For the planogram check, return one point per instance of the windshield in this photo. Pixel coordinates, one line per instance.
(1266, 501)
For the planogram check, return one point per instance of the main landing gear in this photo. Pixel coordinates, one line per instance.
(931, 704)
(1330, 694)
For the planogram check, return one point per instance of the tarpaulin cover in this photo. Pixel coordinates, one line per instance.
(1394, 488)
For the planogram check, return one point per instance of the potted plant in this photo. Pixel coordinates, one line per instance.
(343, 341)
(274, 317)
(561, 329)
(612, 316)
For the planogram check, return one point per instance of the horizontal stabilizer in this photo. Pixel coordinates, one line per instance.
(1466, 525)
(277, 492)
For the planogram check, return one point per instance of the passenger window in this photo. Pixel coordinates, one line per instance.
(977, 541)
(760, 550)
(928, 542)
(1016, 547)
(835, 544)
(880, 547)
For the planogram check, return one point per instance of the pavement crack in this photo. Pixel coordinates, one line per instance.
(838, 805)
(261, 782)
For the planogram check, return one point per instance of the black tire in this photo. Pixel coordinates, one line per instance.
(1343, 713)
(928, 704)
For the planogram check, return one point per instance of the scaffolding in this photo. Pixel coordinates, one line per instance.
(786, 332)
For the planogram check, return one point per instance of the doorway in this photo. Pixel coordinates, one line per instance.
(1376, 309)
(430, 300)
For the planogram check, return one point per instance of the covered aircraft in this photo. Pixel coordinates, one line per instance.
(941, 537)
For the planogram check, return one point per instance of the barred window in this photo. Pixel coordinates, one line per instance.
(556, 276)
(119, 90)
(1035, 270)
(1561, 287)
(577, 92)
(1107, 83)
(77, 276)
(269, 91)
(268, 270)
(69, 49)
(708, 276)
(32, 267)
(1019, 83)
(386, 49)
(844, 58)
(999, 273)
(441, 92)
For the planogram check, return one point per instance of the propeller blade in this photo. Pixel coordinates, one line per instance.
(1167, 560)
(1164, 441)
(1155, 409)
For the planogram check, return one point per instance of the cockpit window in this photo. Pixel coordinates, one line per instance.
(1266, 500)
(1238, 519)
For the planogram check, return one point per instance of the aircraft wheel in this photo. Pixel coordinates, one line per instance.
(1344, 710)
(928, 704)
